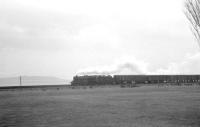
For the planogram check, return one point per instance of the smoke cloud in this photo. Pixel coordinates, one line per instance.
(189, 65)
(121, 66)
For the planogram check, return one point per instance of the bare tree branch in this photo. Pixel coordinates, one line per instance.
(192, 13)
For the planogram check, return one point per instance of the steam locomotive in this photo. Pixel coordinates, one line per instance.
(133, 79)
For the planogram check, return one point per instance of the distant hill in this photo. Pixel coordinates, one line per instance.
(32, 80)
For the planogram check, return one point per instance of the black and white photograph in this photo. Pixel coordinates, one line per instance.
(99, 63)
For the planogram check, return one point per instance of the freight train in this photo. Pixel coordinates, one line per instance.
(133, 79)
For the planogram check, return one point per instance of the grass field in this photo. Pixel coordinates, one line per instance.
(102, 107)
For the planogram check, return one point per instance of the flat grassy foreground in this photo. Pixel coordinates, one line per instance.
(102, 107)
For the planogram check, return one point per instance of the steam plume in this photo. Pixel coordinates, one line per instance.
(122, 66)
(189, 65)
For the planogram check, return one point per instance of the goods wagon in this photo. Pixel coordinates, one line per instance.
(119, 79)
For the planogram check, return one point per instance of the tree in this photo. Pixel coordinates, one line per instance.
(193, 15)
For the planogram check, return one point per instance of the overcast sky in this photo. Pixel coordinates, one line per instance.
(65, 37)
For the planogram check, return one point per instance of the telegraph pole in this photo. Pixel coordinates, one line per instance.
(20, 80)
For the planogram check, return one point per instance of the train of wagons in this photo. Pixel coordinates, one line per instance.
(132, 79)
